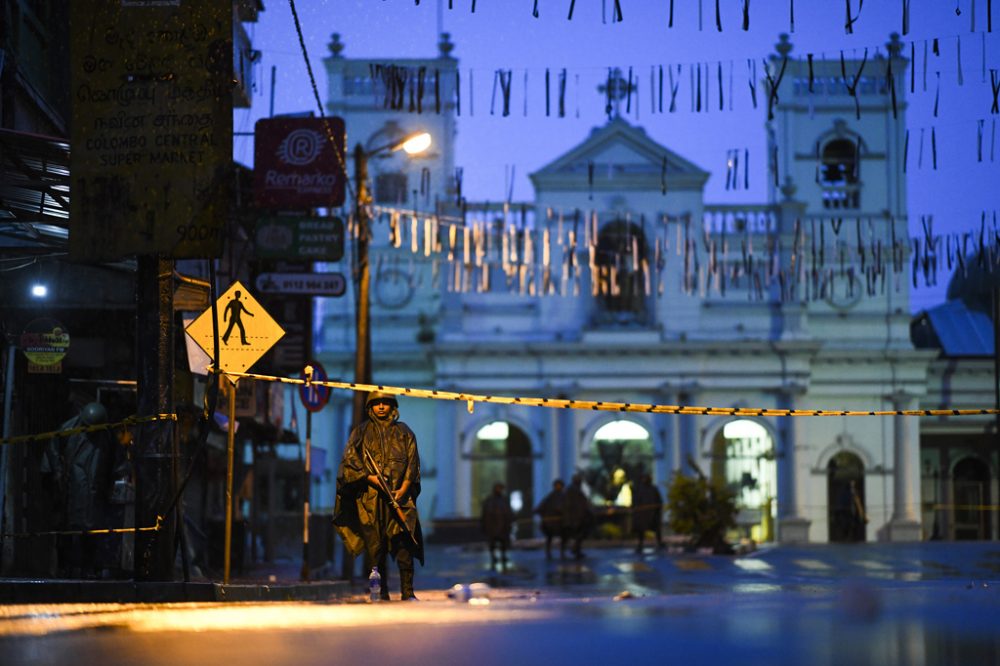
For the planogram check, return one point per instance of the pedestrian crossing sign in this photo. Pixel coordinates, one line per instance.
(246, 331)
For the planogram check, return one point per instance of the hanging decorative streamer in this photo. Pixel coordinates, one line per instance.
(718, 17)
(906, 149)
(852, 88)
(995, 86)
(572, 4)
(746, 168)
(628, 88)
(849, 26)
(772, 97)
(906, 17)
(791, 15)
(617, 16)
(746, 15)
(934, 147)
(562, 94)
(721, 104)
(670, 20)
(752, 71)
(913, 66)
(958, 57)
(674, 87)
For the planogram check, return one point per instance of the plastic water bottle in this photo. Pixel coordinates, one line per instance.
(374, 585)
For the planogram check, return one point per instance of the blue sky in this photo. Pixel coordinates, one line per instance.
(504, 34)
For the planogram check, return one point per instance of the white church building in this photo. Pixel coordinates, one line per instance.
(620, 283)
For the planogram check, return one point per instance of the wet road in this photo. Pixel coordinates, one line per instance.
(929, 603)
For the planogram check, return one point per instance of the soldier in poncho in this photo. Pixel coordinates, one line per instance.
(365, 515)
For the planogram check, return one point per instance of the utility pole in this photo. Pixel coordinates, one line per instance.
(362, 332)
(154, 459)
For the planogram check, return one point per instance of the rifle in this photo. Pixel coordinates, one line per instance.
(384, 487)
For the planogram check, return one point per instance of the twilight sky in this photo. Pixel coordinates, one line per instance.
(504, 34)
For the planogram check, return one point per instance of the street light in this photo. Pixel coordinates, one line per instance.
(412, 144)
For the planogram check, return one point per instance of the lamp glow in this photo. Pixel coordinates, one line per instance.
(417, 143)
(39, 291)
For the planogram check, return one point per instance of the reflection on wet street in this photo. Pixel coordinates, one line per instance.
(866, 604)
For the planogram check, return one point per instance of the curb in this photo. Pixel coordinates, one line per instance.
(25, 591)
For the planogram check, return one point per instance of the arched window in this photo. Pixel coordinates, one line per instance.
(621, 261)
(839, 173)
(743, 458)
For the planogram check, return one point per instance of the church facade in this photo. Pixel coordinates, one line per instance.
(620, 283)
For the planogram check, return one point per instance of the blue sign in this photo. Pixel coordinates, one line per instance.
(314, 397)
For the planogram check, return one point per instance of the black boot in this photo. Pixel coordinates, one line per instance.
(406, 585)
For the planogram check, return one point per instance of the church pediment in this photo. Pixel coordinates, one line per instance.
(615, 156)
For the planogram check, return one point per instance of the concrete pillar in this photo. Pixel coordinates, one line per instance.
(447, 452)
(688, 431)
(566, 439)
(905, 522)
(793, 525)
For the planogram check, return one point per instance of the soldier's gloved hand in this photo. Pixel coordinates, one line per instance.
(399, 494)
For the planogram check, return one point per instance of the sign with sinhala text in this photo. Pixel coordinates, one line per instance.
(152, 125)
(300, 238)
(299, 163)
(246, 330)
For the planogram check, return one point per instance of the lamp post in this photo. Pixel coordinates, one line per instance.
(412, 144)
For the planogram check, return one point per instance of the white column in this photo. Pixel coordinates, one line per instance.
(905, 523)
(793, 525)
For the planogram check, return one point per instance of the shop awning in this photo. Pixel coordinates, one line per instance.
(34, 192)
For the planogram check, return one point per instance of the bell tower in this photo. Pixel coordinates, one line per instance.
(837, 130)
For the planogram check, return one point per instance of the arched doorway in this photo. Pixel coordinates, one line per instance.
(619, 453)
(845, 498)
(971, 482)
(743, 457)
(502, 453)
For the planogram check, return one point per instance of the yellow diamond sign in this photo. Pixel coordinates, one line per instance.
(246, 330)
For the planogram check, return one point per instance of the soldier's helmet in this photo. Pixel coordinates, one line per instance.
(94, 413)
(379, 396)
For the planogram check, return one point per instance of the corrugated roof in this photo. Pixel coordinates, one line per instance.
(962, 332)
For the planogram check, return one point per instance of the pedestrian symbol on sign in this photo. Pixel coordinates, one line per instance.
(233, 312)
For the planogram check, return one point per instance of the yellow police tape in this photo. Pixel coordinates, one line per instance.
(471, 398)
(109, 530)
(131, 420)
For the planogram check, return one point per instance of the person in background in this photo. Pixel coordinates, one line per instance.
(497, 522)
(550, 509)
(78, 471)
(577, 517)
(647, 511)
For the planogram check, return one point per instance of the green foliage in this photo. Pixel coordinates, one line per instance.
(701, 509)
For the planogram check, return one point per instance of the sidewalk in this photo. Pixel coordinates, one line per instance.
(259, 582)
